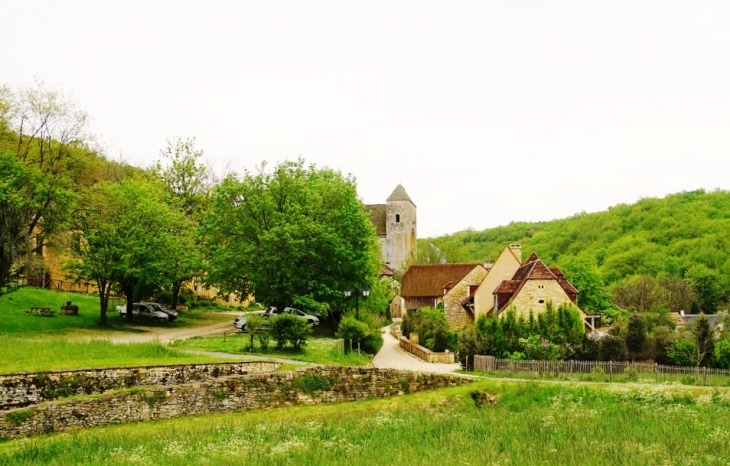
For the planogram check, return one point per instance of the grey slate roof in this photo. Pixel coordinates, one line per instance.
(399, 194)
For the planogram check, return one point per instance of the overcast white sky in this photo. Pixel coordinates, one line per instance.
(486, 112)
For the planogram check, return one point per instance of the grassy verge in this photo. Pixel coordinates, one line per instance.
(14, 320)
(317, 350)
(626, 377)
(532, 423)
(22, 355)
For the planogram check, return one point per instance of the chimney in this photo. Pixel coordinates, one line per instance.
(517, 250)
(681, 313)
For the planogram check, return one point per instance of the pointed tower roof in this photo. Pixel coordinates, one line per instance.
(399, 194)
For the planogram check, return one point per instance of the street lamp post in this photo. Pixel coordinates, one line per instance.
(365, 294)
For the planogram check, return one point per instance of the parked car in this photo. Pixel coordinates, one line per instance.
(158, 307)
(240, 322)
(313, 320)
(144, 312)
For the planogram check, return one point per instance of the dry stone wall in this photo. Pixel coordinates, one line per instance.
(24, 389)
(421, 352)
(226, 394)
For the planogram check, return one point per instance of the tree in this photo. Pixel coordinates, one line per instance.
(704, 340)
(707, 284)
(293, 234)
(587, 279)
(187, 182)
(186, 178)
(124, 237)
(44, 143)
(636, 338)
(254, 322)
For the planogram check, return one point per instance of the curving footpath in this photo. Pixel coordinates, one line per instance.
(392, 356)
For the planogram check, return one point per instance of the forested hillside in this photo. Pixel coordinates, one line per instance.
(685, 235)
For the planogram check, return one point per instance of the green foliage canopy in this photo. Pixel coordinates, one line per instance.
(291, 235)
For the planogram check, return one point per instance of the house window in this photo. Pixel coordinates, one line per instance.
(542, 301)
(397, 218)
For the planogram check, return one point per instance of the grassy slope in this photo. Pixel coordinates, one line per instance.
(14, 321)
(32, 343)
(25, 355)
(317, 350)
(532, 424)
(650, 236)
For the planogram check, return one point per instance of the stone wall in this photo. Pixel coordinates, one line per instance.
(421, 352)
(454, 311)
(23, 389)
(226, 394)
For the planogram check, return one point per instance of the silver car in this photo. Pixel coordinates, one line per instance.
(144, 312)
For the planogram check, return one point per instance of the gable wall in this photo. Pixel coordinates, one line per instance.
(531, 293)
(455, 312)
(503, 268)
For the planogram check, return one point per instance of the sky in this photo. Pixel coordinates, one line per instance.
(486, 112)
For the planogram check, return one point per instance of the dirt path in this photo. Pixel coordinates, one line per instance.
(164, 335)
(392, 356)
(248, 357)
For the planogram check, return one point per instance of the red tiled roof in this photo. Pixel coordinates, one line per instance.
(532, 269)
(425, 280)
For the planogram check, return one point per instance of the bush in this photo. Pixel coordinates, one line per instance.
(372, 343)
(359, 332)
(721, 358)
(352, 329)
(264, 338)
(288, 328)
(612, 349)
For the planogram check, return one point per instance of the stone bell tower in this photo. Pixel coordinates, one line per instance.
(400, 228)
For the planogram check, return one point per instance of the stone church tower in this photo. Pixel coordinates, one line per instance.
(395, 224)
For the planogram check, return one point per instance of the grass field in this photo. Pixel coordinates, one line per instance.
(32, 343)
(317, 350)
(626, 377)
(25, 355)
(532, 423)
(14, 320)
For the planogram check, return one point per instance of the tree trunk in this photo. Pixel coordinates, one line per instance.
(104, 302)
(129, 293)
(175, 293)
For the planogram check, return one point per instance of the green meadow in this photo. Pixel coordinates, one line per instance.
(34, 343)
(531, 423)
(317, 350)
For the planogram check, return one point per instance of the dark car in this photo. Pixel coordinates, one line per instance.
(158, 307)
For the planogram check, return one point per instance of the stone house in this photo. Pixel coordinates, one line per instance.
(395, 225)
(532, 286)
(481, 301)
(428, 285)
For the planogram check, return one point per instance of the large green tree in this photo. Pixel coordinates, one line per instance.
(292, 235)
(187, 182)
(124, 239)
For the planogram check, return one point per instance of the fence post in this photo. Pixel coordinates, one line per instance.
(610, 371)
(656, 374)
(705, 375)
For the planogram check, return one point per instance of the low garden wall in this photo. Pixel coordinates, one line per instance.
(24, 389)
(424, 353)
(226, 394)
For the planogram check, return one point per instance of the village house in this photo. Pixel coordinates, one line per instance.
(428, 285)
(481, 300)
(532, 287)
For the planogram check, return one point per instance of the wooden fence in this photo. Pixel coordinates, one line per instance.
(609, 370)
